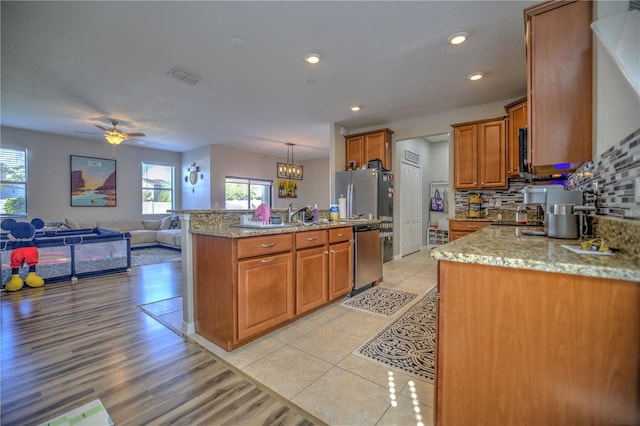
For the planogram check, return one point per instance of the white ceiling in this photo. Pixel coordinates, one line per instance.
(67, 66)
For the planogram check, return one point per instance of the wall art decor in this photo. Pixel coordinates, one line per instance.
(287, 189)
(93, 182)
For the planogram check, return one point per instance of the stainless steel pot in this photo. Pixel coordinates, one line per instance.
(562, 223)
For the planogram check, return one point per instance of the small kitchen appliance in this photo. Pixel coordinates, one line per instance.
(555, 207)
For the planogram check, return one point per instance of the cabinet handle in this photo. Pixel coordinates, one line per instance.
(471, 226)
(341, 234)
(312, 238)
(333, 251)
(326, 252)
(268, 260)
(267, 245)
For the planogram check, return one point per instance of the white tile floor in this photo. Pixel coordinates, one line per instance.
(311, 363)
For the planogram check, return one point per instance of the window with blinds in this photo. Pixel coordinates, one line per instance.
(13, 182)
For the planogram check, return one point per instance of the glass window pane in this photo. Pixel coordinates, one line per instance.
(13, 182)
(157, 188)
(244, 193)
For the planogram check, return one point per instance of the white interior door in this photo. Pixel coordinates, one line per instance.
(410, 208)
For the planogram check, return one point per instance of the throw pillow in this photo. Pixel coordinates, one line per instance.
(72, 224)
(165, 223)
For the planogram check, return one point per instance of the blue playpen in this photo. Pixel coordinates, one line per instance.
(72, 254)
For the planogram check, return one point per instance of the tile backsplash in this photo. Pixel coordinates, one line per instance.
(617, 175)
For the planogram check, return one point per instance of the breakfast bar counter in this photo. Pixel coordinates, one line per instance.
(507, 246)
(531, 332)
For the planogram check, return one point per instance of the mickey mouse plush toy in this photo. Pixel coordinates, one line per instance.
(24, 251)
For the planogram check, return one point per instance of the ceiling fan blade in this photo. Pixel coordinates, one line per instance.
(86, 133)
(135, 134)
(101, 128)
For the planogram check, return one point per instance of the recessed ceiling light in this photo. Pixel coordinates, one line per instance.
(312, 58)
(458, 38)
(475, 76)
(355, 108)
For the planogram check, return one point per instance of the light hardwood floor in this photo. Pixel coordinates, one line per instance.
(66, 344)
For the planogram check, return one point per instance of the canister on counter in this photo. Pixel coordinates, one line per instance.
(333, 213)
(475, 205)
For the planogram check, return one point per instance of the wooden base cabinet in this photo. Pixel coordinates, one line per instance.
(516, 346)
(460, 228)
(340, 262)
(247, 287)
(312, 270)
(265, 293)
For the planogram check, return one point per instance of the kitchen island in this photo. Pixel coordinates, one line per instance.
(532, 333)
(249, 282)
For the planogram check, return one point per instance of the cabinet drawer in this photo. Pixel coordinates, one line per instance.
(311, 238)
(339, 234)
(257, 246)
(468, 226)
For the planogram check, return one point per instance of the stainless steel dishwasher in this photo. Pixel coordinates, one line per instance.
(367, 256)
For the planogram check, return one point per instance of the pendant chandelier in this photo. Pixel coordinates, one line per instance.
(289, 170)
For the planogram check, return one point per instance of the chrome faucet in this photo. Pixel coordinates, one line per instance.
(291, 212)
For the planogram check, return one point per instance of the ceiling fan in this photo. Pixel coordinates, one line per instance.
(115, 136)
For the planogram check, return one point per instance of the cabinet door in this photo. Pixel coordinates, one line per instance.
(312, 278)
(559, 59)
(355, 149)
(465, 155)
(376, 145)
(265, 293)
(517, 120)
(492, 155)
(340, 269)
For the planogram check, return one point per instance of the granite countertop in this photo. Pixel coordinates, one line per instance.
(506, 246)
(230, 231)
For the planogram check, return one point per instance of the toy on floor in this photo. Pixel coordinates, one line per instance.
(24, 251)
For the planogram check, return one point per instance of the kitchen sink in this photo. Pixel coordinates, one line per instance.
(262, 226)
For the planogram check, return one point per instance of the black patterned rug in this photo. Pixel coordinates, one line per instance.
(380, 300)
(409, 342)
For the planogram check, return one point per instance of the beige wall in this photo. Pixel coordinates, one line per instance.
(49, 175)
(224, 162)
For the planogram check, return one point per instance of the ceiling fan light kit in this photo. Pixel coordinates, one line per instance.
(115, 136)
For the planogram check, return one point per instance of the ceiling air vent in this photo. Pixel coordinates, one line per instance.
(183, 76)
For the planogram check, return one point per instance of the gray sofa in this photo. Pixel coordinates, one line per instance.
(144, 233)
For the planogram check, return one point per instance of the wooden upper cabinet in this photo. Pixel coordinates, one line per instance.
(517, 118)
(559, 82)
(465, 155)
(480, 154)
(354, 149)
(363, 147)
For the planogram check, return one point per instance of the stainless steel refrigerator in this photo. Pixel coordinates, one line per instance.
(370, 191)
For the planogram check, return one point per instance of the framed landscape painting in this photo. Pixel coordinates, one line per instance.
(93, 182)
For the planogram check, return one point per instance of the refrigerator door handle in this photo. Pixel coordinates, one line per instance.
(349, 200)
